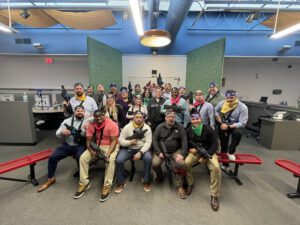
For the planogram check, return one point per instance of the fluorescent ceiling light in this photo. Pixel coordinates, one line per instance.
(137, 16)
(7, 29)
(287, 31)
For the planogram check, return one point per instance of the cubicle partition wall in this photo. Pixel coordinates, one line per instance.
(17, 124)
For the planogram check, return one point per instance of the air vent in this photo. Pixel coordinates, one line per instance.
(23, 41)
(297, 43)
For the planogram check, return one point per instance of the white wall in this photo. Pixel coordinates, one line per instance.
(253, 78)
(31, 72)
(138, 69)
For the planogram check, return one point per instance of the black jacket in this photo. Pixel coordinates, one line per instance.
(176, 138)
(208, 138)
(155, 117)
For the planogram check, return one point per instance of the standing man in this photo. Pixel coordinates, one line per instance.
(205, 109)
(135, 141)
(90, 91)
(100, 97)
(155, 117)
(179, 106)
(114, 90)
(173, 136)
(232, 116)
(104, 133)
(206, 140)
(74, 144)
(80, 98)
(214, 96)
(125, 102)
(167, 91)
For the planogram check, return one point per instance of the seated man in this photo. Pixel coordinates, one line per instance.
(172, 135)
(73, 145)
(202, 144)
(232, 116)
(102, 132)
(135, 141)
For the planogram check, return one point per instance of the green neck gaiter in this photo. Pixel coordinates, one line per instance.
(198, 130)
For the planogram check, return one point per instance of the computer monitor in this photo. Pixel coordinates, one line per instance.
(263, 99)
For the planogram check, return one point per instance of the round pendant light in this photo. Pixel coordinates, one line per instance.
(156, 38)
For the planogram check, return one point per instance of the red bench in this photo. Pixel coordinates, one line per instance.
(295, 169)
(241, 159)
(25, 161)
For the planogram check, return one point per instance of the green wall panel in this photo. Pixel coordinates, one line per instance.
(105, 64)
(205, 64)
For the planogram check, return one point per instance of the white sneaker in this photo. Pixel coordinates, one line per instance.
(231, 157)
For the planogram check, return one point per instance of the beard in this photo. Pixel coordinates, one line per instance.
(79, 93)
(79, 117)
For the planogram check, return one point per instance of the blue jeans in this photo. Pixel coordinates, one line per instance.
(127, 154)
(62, 152)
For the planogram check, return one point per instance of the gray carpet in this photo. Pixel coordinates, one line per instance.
(261, 200)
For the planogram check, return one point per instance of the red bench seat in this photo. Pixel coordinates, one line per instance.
(30, 160)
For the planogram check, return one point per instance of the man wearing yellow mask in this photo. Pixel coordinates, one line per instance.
(80, 98)
(232, 115)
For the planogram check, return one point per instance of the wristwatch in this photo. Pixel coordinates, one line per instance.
(141, 152)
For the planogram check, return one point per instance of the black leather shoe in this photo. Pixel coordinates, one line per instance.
(189, 189)
(214, 203)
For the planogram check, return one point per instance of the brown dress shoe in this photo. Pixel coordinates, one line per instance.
(214, 203)
(189, 190)
(181, 193)
(46, 185)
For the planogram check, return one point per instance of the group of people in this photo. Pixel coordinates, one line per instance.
(162, 124)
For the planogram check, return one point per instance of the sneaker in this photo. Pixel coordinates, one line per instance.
(147, 187)
(81, 189)
(120, 188)
(105, 193)
(231, 157)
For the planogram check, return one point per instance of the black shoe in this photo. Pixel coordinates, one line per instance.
(214, 202)
(76, 174)
(105, 193)
(157, 181)
(189, 190)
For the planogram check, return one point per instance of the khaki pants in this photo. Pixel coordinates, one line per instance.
(84, 164)
(214, 168)
(156, 165)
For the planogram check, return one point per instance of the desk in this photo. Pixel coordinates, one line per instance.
(280, 134)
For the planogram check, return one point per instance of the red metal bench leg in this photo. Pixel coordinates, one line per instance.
(297, 194)
(31, 177)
